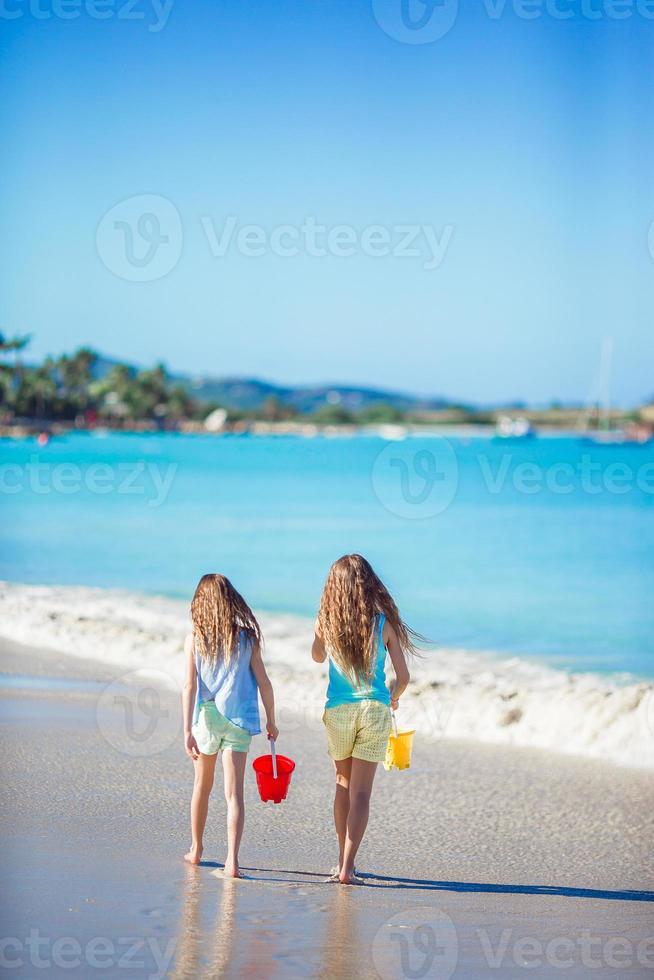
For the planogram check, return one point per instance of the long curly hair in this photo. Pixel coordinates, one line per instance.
(218, 614)
(352, 598)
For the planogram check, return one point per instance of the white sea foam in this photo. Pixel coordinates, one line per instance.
(453, 694)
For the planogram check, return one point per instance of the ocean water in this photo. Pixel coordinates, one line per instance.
(539, 549)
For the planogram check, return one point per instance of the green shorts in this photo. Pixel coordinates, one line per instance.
(213, 732)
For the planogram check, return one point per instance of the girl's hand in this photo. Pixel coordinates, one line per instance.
(191, 746)
(273, 731)
(395, 703)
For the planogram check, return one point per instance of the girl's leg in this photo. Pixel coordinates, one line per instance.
(205, 766)
(342, 804)
(234, 775)
(361, 780)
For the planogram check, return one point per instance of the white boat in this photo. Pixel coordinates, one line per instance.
(392, 433)
(513, 428)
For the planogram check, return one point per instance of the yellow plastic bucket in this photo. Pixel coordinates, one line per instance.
(398, 750)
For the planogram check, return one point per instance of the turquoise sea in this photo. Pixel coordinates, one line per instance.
(539, 548)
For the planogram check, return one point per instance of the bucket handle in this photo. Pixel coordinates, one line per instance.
(274, 757)
(394, 723)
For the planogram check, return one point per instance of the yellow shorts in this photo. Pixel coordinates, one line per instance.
(359, 730)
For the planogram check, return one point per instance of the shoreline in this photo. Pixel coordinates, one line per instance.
(494, 845)
(454, 694)
(308, 429)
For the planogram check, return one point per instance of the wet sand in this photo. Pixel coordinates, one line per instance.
(479, 861)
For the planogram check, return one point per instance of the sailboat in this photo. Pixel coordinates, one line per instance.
(599, 408)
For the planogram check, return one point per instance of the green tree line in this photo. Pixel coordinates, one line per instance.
(70, 389)
(66, 389)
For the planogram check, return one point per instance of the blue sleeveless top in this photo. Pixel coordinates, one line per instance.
(233, 686)
(342, 691)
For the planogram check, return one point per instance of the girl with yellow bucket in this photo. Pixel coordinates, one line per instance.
(358, 624)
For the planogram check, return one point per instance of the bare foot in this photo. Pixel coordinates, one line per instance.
(335, 873)
(350, 879)
(232, 870)
(194, 856)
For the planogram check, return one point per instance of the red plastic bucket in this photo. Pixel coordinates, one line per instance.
(271, 788)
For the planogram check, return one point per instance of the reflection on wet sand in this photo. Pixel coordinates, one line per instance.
(260, 960)
(341, 956)
(257, 931)
(189, 942)
(206, 944)
(221, 945)
(205, 955)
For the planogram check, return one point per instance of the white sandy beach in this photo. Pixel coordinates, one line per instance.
(455, 694)
(512, 862)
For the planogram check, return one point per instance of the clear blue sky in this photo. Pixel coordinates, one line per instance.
(531, 138)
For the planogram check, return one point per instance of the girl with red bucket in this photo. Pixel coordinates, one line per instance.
(357, 625)
(224, 675)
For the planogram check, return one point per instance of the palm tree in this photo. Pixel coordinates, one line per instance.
(148, 393)
(13, 344)
(76, 373)
(37, 393)
(11, 374)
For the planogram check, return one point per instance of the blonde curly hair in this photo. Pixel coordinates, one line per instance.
(218, 614)
(352, 598)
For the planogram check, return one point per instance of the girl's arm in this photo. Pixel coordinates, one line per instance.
(396, 653)
(265, 690)
(188, 698)
(318, 651)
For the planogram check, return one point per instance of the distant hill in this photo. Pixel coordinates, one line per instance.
(251, 393)
(247, 394)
